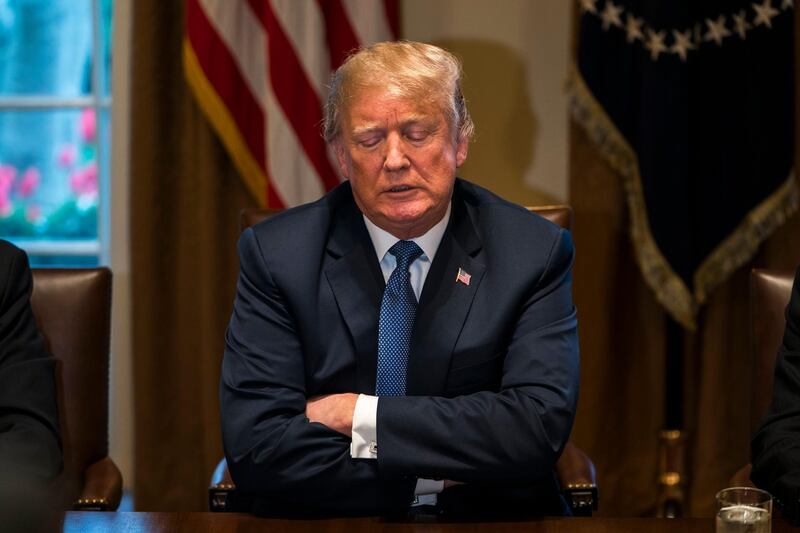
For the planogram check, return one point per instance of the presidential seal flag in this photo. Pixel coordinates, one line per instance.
(692, 103)
(259, 70)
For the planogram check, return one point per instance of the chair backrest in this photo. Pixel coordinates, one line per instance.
(557, 214)
(254, 215)
(769, 295)
(73, 311)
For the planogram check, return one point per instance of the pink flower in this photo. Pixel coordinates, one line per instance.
(83, 181)
(88, 125)
(6, 208)
(66, 156)
(29, 182)
(7, 176)
(33, 213)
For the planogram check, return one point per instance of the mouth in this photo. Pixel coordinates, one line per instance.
(400, 188)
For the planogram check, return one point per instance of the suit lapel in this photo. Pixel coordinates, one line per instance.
(355, 278)
(444, 304)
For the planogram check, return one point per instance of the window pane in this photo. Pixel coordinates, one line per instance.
(62, 261)
(107, 38)
(45, 47)
(48, 174)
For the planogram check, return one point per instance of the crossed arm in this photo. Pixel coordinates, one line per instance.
(281, 442)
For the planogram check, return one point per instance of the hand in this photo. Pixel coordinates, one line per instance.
(334, 411)
(450, 483)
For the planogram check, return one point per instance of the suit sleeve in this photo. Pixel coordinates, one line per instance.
(776, 446)
(29, 437)
(516, 433)
(271, 447)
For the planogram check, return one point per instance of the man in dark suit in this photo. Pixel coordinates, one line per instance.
(776, 446)
(30, 450)
(410, 338)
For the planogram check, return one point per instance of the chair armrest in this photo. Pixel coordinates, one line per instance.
(742, 477)
(578, 479)
(102, 487)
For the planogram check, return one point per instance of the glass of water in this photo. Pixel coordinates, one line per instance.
(744, 510)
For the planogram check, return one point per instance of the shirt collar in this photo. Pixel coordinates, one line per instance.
(382, 240)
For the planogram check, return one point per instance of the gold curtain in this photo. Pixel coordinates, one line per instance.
(623, 335)
(185, 200)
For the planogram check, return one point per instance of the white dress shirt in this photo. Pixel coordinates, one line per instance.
(365, 439)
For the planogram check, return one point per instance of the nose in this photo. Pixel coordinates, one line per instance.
(395, 158)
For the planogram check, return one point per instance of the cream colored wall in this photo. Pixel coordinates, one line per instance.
(515, 55)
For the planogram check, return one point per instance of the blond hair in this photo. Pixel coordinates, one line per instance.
(407, 69)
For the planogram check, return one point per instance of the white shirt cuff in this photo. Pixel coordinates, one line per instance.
(429, 486)
(364, 443)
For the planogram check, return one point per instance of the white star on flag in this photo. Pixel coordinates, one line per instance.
(633, 27)
(655, 43)
(740, 24)
(716, 30)
(787, 4)
(764, 13)
(611, 15)
(683, 43)
(587, 6)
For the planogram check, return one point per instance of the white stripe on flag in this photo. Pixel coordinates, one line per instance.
(368, 19)
(304, 26)
(293, 178)
(242, 32)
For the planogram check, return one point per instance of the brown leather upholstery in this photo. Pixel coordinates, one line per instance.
(575, 469)
(72, 309)
(770, 291)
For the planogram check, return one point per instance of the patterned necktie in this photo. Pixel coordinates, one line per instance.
(398, 309)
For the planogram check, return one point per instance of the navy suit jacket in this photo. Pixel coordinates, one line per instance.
(29, 436)
(492, 376)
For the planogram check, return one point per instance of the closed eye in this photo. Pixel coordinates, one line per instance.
(417, 135)
(369, 142)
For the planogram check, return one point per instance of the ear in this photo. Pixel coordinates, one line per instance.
(461, 150)
(341, 158)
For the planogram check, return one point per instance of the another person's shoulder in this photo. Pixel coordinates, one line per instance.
(13, 263)
(11, 254)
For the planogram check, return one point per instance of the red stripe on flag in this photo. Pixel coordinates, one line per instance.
(295, 94)
(339, 32)
(223, 73)
(392, 9)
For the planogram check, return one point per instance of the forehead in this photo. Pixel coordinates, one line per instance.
(382, 105)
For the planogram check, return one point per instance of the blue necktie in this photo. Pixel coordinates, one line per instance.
(398, 309)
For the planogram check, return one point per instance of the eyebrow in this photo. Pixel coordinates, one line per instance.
(370, 128)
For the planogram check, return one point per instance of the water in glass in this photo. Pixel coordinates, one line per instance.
(743, 519)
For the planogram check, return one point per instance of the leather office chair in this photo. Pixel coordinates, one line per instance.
(770, 291)
(73, 311)
(575, 469)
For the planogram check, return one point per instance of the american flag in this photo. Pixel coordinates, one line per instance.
(260, 69)
(463, 277)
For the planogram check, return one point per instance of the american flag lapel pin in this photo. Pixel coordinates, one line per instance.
(463, 276)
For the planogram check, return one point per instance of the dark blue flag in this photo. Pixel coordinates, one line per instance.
(692, 102)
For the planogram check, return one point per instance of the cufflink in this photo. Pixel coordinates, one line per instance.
(373, 448)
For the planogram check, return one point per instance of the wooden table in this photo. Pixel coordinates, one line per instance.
(75, 522)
